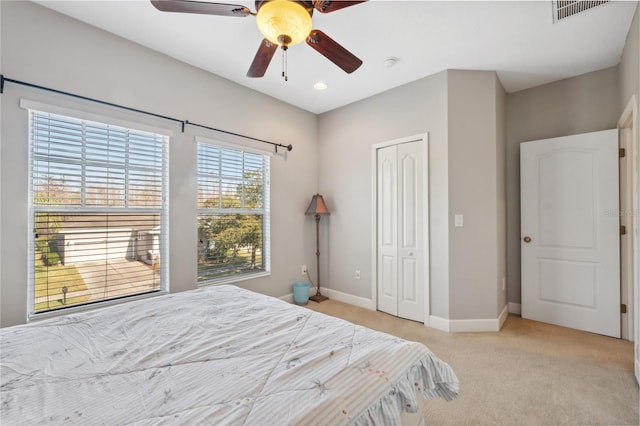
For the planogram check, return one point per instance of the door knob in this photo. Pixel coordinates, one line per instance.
(527, 239)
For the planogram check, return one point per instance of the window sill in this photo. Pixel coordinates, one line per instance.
(33, 317)
(235, 279)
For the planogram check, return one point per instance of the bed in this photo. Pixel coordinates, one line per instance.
(215, 355)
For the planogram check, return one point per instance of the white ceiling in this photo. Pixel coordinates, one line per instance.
(518, 39)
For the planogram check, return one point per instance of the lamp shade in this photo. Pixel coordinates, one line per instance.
(317, 206)
(284, 22)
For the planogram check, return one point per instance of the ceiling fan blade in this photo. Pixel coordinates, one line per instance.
(201, 7)
(334, 52)
(327, 6)
(262, 59)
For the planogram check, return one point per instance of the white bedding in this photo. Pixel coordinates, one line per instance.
(217, 355)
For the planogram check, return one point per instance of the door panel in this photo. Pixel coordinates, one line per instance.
(387, 229)
(567, 221)
(579, 291)
(389, 273)
(408, 192)
(570, 232)
(411, 288)
(409, 281)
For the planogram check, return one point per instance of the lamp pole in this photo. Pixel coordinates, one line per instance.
(317, 208)
(318, 297)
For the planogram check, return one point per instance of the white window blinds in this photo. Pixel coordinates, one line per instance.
(98, 209)
(233, 213)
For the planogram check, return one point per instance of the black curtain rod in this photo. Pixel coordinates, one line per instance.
(289, 147)
(4, 79)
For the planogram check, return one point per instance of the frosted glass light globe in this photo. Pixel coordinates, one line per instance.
(284, 22)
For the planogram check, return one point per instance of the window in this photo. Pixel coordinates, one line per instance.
(98, 211)
(233, 213)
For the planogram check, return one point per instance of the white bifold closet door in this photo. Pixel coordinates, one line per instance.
(400, 233)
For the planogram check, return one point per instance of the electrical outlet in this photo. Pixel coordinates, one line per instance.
(304, 269)
(357, 274)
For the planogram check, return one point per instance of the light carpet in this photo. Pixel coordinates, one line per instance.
(529, 373)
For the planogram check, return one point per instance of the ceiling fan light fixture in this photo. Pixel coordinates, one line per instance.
(284, 22)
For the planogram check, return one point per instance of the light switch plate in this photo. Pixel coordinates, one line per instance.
(459, 220)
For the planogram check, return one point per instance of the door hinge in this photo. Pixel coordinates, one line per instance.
(622, 152)
(623, 230)
(623, 308)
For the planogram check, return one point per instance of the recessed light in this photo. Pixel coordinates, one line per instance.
(320, 85)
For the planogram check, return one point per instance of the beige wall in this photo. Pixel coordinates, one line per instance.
(459, 110)
(345, 178)
(629, 71)
(476, 182)
(49, 49)
(630, 63)
(501, 191)
(586, 103)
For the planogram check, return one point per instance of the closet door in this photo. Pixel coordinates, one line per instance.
(410, 245)
(400, 213)
(388, 230)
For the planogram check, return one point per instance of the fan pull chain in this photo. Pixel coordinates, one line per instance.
(284, 63)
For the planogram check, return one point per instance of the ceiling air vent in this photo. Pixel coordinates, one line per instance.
(565, 8)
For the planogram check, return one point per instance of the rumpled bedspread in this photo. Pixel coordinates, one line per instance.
(215, 355)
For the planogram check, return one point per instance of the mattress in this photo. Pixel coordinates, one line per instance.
(215, 355)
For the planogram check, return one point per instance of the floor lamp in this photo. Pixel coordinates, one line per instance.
(317, 208)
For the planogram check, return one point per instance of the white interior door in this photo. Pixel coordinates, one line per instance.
(570, 231)
(400, 214)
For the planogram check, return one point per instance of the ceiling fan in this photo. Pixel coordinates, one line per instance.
(283, 23)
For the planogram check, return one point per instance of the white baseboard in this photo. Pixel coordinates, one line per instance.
(443, 324)
(349, 298)
(470, 325)
(338, 296)
(503, 317)
(515, 308)
(438, 323)
(287, 298)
